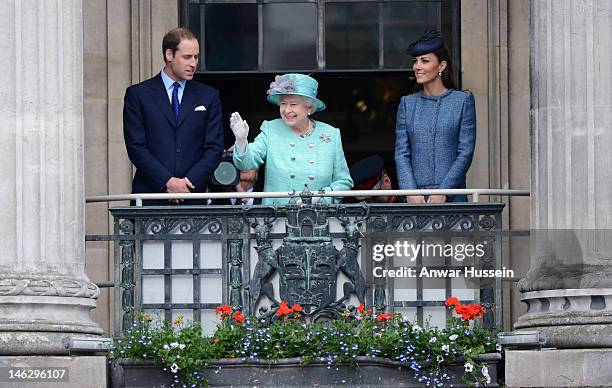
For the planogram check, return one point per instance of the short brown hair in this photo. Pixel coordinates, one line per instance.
(174, 37)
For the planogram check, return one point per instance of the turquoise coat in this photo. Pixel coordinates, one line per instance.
(292, 161)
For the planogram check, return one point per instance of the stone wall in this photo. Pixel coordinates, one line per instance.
(122, 46)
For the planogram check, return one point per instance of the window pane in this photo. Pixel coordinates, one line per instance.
(231, 36)
(290, 32)
(404, 23)
(351, 35)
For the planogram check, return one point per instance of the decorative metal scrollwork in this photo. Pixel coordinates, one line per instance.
(439, 223)
(213, 225)
(466, 223)
(183, 225)
(160, 225)
(235, 225)
(235, 273)
(379, 224)
(487, 222)
(128, 284)
(126, 226)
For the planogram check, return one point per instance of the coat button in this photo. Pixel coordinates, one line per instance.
(311, 145)
(311, 177)
(292, 144)
(178, 150)
(292, 157)
(311, 161)
(292, 176)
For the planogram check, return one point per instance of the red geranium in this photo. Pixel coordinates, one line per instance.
(285, 311)
(238, 317)
(452, 302)
(224, 310)
(467, 311)
(384, 317)
(360, 308)
(470, 311)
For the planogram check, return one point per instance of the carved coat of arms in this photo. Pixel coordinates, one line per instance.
(307, 262)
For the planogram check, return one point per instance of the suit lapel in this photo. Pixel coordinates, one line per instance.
(161, 98)
(187, 103)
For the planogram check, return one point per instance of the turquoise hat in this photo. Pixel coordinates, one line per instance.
(295, 83)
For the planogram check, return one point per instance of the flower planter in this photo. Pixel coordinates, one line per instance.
(369, 371)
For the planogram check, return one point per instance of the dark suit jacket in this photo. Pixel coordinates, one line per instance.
(161, 149)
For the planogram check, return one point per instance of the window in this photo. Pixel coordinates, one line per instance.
(356, 50)
(280, 36)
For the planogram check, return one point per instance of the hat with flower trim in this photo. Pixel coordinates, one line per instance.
(295, 83)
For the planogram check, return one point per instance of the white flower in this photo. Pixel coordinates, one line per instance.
(485, 373)
(416, 328)
(433, 340)
(446, 348)
(468, 367)
(439, 359)
(174, 345)
(181, 346)
(498, 347)
(174, 368)
(166, 347)
(453, 337)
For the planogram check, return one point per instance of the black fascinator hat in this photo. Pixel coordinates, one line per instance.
(429, 42)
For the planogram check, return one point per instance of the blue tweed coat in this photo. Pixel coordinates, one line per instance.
(435, 139)
(293, 161)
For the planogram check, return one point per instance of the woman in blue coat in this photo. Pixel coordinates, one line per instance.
(436, 126)
(296, 149)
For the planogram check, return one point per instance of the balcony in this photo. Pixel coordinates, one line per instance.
(188, 260)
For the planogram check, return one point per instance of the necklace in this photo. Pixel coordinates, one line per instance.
(310, 129)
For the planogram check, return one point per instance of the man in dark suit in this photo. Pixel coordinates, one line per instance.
(172, 124)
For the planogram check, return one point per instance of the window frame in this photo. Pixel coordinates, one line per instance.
(449, 10)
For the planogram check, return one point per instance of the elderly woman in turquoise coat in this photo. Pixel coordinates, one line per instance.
(436, 126)
(297, 151)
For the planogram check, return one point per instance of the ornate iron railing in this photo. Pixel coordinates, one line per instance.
(184, 254)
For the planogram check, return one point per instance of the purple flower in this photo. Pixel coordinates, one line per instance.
(282, 84)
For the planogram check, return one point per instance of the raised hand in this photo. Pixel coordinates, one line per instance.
(239, 126)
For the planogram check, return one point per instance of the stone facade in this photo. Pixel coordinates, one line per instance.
(44, 291)
(569, 283)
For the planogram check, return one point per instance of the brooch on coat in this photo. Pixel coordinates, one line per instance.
(325, 138)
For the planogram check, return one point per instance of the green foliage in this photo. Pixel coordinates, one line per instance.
(182, 349)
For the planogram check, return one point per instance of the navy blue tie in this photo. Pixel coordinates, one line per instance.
(175, 102)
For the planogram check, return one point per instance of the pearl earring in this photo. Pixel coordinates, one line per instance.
(440, 74)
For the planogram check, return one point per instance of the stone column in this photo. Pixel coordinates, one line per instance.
(568, 288)
(44, 292)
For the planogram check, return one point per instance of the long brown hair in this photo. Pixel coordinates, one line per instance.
(448, 75)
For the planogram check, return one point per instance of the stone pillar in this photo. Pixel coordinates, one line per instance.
(44, 292)
(568, 288)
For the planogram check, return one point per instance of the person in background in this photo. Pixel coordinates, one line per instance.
(172, 124)
(436, 126)
(370, 174)
(296, 149)
(248, 179)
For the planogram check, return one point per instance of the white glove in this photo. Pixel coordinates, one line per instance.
(241, 131)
